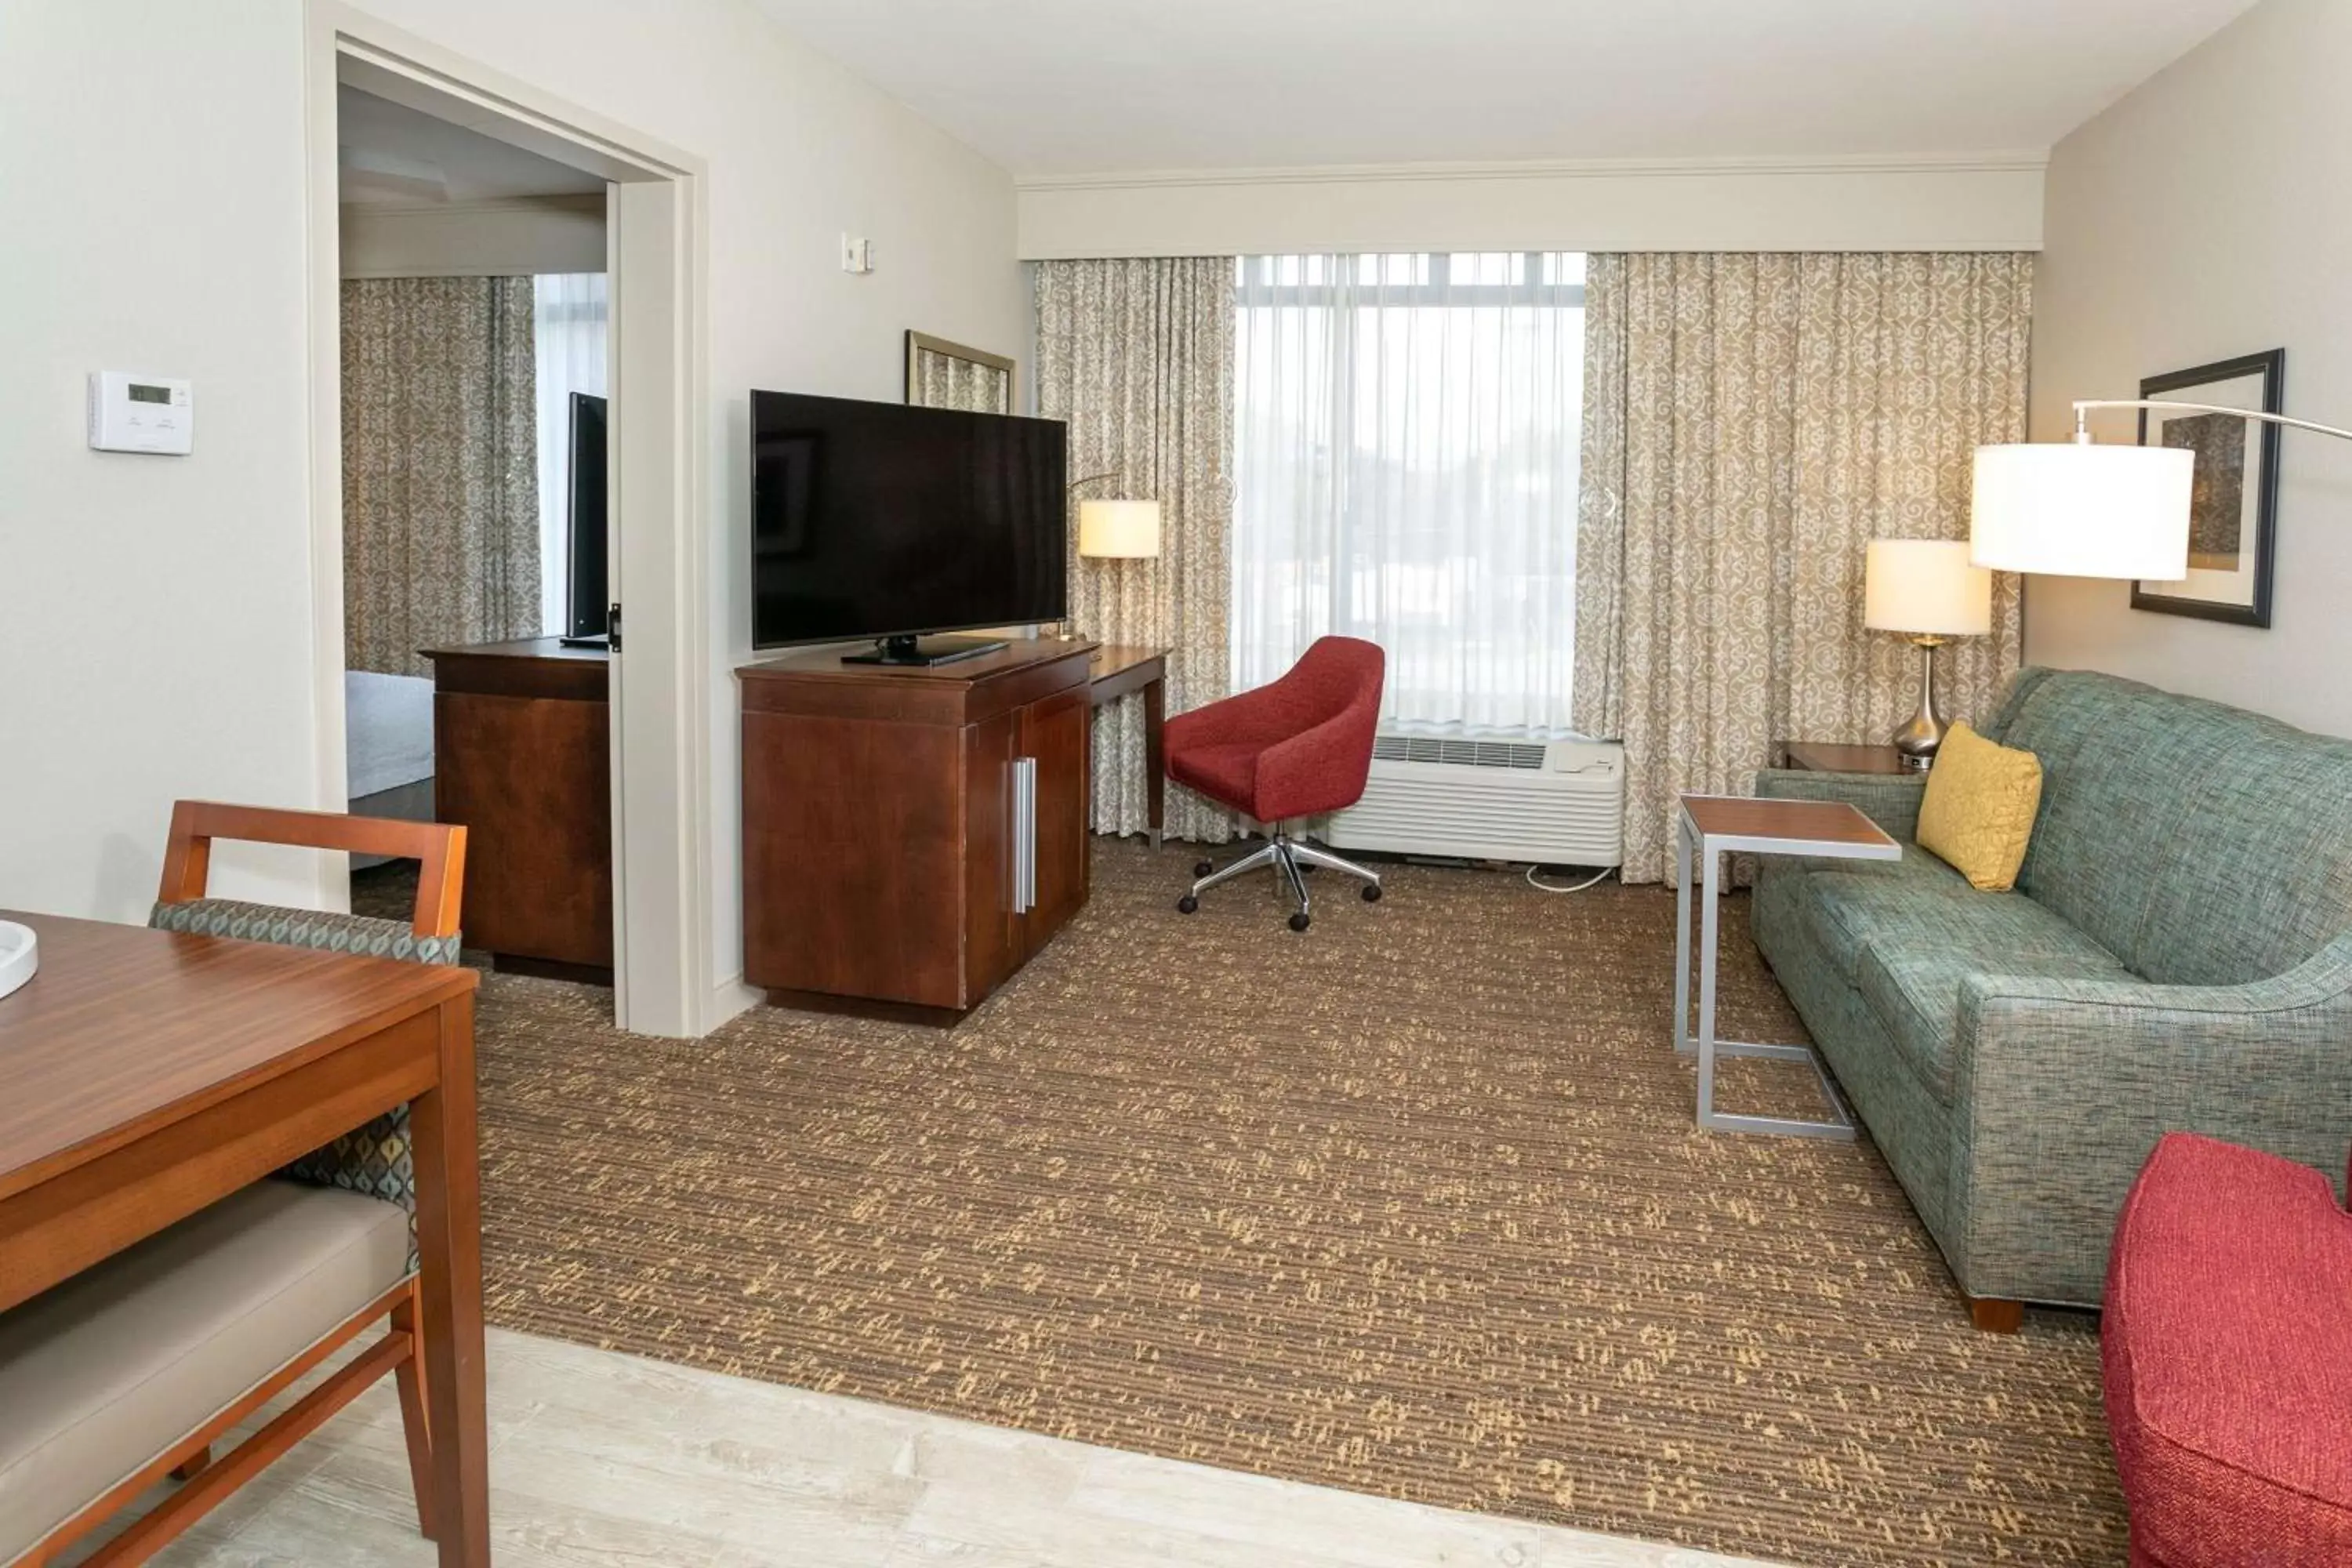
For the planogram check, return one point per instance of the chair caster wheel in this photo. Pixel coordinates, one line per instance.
(1371, 892)
(1202, 867)
(1187, 904)
(1298, 922)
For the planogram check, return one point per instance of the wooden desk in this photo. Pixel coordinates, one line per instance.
(1119, 671)
(144, 1075)
(522, 759)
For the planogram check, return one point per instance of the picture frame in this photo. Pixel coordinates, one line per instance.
(2233, 504)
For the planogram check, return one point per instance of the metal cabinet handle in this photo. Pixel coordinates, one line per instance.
(1025, 834)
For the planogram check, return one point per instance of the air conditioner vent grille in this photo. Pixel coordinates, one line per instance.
(1457, 753)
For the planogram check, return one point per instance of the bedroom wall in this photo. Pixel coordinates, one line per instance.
(2199, 218)
(155, 613)
(510, 238)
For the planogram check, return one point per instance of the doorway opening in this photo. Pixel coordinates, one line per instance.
(506, 341)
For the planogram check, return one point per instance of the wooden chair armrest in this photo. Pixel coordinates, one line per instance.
(438, 847)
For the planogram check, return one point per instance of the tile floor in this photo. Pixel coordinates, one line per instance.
(602, 1460)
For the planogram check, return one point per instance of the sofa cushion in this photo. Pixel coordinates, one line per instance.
(102, 1374)
(1917, 902)
(1914, 989)
(2227, 1356)
(2201, 844)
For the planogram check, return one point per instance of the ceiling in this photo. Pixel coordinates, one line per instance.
(1049, 87)
(392, 155)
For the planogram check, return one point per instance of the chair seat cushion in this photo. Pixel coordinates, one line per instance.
(101, 1374)
(2228, 1351)
(1224, 772)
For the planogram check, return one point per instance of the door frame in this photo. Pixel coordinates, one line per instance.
(656, 250)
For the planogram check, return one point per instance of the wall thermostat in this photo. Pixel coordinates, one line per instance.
(140, 413)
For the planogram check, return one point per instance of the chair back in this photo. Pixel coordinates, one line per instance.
(1343, 673)
(439, 847)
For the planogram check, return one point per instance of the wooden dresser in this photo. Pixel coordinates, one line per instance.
(522, 757)
(911, 835)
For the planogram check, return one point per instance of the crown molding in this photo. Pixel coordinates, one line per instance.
(1545, 169)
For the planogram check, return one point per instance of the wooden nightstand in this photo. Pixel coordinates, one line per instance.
(1828, 757)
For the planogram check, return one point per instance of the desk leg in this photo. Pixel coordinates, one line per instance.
(450, 1244)
(1155, 761)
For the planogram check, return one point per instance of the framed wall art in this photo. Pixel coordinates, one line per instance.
(2234, 497)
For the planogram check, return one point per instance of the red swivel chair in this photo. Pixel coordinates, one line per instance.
(1298, 748)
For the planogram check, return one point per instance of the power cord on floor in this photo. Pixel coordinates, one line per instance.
(1574, 887)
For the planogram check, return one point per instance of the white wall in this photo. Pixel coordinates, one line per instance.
(1969, 202)
(2201, 217)
(511, 238)
(154, 613)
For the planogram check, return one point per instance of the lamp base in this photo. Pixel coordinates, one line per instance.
(1919, 736)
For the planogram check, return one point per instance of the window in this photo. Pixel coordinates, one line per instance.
(1405, 470)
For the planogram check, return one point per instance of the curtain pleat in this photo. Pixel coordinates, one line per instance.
(440, 467)
(1138, 357)
(1750, 423)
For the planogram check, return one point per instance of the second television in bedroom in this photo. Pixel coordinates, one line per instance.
(876, 522)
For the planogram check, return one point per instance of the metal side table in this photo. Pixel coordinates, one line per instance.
(1712, 827)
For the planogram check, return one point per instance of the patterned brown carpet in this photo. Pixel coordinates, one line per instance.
(1411, 1205)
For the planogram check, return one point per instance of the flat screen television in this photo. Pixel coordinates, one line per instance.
(876, 521)
(587, 606)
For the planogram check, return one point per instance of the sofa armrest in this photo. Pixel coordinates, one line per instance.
(1890, 800)
(2063, 1087)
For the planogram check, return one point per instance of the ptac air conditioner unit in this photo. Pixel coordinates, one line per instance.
(1558, 803)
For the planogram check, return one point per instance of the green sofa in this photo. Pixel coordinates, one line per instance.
(2178, 954)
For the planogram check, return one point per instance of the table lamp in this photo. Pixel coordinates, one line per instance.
(1926, 590)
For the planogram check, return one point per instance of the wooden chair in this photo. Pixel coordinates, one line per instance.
(131, 1371)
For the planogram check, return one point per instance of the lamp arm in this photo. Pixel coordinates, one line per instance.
(1090, 479)
(2084, 404)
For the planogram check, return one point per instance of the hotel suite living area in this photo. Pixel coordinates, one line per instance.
(1076, 784)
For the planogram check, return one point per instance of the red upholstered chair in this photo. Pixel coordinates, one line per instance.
(2228, 1348)
(1298, 748)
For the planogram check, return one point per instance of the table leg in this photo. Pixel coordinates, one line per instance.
(1155, 762)
(1710, 907)
(450, 1246)
(1681, 933)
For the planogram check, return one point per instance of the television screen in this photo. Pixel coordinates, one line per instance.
(874, 520)
(587, 605)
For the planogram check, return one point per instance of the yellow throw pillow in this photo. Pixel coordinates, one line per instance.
(1978, 810)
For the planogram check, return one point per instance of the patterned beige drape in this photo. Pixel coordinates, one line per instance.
(1750, 423)
(1138, 356)
(944, 380)
(440, 467)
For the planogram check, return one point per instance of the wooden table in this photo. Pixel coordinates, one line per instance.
(1119, 671)
(1831, 757)
(1710, 826)
(144, 1075)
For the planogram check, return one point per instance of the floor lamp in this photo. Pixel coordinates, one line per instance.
(2081, 510)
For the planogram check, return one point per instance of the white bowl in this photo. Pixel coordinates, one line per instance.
(20, 954)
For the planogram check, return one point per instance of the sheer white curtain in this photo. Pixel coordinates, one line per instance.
(1405, 470)
(568, 321)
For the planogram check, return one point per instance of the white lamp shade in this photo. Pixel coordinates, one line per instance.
(2082, 510)
(1119, 528)
(1924, 586)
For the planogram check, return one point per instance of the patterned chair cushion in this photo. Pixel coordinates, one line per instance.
(375, 1159)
